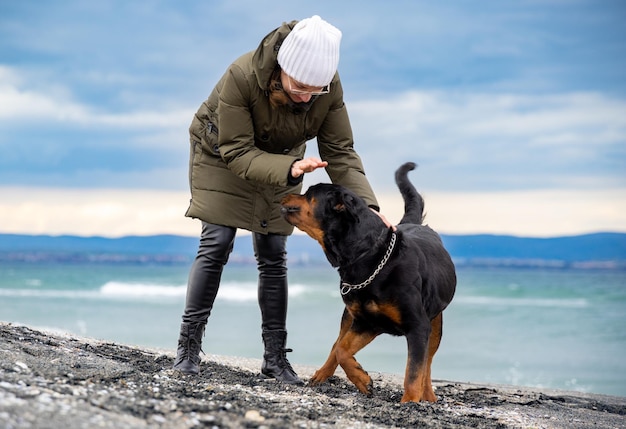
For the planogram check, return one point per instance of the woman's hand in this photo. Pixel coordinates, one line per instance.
(384, 219)
(306, 165)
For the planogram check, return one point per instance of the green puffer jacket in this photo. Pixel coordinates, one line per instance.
(242, 148)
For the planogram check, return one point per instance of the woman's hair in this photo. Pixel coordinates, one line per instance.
(278, 97)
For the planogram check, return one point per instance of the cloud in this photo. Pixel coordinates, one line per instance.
(532, 213)
(461, 140)
(116, 212)
(497, 103)
(17, 103)
(474, 141)
(23, 104)
(104, 212)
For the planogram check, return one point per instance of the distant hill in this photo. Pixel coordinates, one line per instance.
(600, 250)
(572, 249)
(153, 244)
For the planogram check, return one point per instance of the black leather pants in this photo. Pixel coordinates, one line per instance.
(216, 244)
(271, 257)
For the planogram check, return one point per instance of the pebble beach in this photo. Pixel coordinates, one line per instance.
(60, 381)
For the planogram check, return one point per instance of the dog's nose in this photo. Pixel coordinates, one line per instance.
(289, 209)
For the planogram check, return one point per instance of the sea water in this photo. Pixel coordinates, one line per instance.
(548, 328)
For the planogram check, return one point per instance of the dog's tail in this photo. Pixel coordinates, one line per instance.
(413, 201)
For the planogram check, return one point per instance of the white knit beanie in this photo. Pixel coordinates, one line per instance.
(310, 52)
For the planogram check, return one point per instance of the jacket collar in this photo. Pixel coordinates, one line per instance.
(264, 59)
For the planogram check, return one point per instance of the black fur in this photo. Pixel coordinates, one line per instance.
(405, 298)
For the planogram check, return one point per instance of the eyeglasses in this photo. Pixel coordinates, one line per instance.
(322, 91)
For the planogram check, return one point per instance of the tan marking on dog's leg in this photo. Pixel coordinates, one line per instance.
(330, 366)
(413, 383)
(419, 388)
(347, 347)
(434, 340)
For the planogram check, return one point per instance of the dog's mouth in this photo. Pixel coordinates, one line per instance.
(290, 208)
(289, 213)
(284, 210)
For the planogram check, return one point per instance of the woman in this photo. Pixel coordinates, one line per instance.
(247, 152)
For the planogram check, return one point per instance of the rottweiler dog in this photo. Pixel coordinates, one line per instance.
(393, 281)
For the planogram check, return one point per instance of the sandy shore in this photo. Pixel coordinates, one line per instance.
(49, 380)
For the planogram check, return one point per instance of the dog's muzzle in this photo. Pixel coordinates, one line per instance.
(289, 209)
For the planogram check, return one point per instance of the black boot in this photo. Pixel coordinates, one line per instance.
(189, 348)
(272, 263)
(275, 363)
(216, 243)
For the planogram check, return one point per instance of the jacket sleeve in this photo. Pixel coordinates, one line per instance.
(236, 135)
(336, 145)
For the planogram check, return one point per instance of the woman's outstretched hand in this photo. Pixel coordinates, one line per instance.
(306, 165)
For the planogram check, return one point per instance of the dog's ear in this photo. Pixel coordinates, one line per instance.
(345, 204)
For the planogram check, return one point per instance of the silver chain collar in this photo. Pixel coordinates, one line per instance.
(346, 288)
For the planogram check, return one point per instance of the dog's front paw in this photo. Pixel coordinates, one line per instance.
(427, 395)
(359, 377)
(365, 385)
(319, 377)
(369, 389)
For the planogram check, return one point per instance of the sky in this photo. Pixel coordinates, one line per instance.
(515, 111)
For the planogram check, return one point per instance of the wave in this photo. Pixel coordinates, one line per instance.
(245, 292)
(522, 302)
(139, 290)
(229, 291)
(49, 293)
(115, 290)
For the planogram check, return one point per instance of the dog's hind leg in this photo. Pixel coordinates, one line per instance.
(436, 329)
(417, 380)
(416, 374)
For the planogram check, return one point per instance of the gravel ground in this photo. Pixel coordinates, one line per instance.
(48, 380)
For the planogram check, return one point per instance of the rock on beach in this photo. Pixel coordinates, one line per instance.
(60, 381)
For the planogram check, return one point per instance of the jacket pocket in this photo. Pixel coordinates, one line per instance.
(195, 151)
